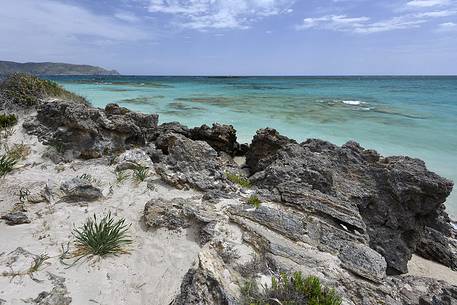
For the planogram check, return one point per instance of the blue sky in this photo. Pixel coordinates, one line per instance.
(235, 37)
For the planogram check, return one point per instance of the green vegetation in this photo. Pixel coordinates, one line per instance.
(140, 173)
(18, 151)
(7, 164)
(101, 237)
(121, 176)
(294, 290)
(7, 120)
(27, 90)
(254, 201)
(237, 179)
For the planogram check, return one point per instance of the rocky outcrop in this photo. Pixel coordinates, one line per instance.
(86, 132)
(192, 164)
(220, 137)
(264, 145)
(387, 200)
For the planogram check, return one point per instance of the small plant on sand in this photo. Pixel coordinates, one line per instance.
(237, 179)
(254, 201)
(290, 290)
(7, 164)
(140, 173)
(27, 90)
(101, 237)
(18, 151)
(121, 176)
(7, 120)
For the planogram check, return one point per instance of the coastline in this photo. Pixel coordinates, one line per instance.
(210, 212)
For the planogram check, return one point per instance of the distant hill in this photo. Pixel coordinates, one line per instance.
(50, 68)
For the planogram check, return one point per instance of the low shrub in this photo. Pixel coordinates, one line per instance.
(25, 89)
(290, 290)
(239, 180)
(101, 237)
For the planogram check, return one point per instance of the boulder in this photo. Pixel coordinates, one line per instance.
(220, 137)
(16, 218)
(78, 189)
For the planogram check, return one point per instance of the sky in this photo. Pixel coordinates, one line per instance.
(235, 37)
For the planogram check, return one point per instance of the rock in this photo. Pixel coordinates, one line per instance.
(220, 137)
(78, 189)
(263, 147)
(436, 246)
(208, 283)
(192, 164)
(363, 261)
(58, 294)
(387, 200)
(16, 218)
(180, 213)
(90, 132)
(131, 159)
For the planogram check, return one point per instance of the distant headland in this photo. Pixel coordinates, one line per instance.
(50, 68)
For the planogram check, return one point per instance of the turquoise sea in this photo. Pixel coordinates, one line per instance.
(415, 116)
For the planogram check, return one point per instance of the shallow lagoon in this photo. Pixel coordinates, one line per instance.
(415, 116)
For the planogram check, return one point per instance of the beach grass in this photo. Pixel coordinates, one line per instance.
(28, 90)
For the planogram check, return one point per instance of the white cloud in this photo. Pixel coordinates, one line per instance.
(447, 27)
(366, 25)
(219, 14)
(427, 3)
(56, 31)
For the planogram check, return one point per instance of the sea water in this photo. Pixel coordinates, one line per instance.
(414, 116)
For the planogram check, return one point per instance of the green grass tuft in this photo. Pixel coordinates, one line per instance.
(254, 201)
(101, 237)
(25, 89)
(7, 163)
(7, 120)
(237, 179)
(140, 173)
(290, 290)
(121, 176)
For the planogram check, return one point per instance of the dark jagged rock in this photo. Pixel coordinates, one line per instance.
(389, 200)
(220, 137)
(90, 132)
(263, 147)
(439, 241)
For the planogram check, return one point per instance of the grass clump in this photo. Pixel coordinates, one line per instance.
(140, 173)
(18, 151)
(101, 237)
(254, 201)
(25, 89)
(290, 290)
(237, 179)
(121, 176)
(7, 120)
(7, 163)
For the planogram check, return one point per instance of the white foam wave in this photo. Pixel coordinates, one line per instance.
(353, 103)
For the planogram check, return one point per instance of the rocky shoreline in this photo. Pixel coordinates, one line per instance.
(345, 214)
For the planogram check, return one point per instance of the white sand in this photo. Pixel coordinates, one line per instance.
(150, 274)
(422, 267)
